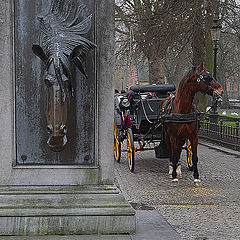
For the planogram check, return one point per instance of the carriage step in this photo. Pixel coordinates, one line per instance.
(143, 149)
(125, 150)
(161, 151)
(137, 149)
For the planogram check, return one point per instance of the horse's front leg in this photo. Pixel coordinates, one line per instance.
(170, 167)
(174, 158)
(194, 142)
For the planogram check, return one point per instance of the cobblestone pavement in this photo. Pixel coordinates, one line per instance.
(211, 211)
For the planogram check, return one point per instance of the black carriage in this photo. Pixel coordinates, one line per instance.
(137, 118)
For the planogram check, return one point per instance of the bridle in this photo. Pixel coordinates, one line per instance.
(207, 79)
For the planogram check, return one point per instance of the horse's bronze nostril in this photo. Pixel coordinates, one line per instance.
(63, 129)
(49, 129)
(57, 143)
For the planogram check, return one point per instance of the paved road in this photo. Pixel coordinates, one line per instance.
(211, 211)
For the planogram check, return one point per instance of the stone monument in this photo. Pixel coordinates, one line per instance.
(56, 175)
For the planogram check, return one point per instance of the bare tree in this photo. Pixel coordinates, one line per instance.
(156, 25)
(173, 35)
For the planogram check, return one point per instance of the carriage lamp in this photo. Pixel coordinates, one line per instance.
(125, 103)
(216, 29)
(215, 32)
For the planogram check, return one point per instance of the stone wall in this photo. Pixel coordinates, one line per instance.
(102, 171)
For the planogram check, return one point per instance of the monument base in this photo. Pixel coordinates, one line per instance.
(64, 210)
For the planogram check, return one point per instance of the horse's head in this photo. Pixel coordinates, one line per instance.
(58, 92)
(56, 109)
(207, 84)
(63, 39)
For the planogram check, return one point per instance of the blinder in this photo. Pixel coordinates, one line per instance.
(207, 79)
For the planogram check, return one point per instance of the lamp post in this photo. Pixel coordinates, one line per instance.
(215, 32)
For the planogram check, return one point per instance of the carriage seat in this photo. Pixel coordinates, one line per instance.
(158, 88)
(161, 90)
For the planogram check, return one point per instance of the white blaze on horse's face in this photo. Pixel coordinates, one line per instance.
(56, 111)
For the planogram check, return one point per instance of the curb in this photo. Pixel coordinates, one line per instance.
(219, 148)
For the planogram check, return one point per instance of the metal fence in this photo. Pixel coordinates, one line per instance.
(221, 133)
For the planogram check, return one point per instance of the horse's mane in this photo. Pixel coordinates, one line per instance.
(182, 83)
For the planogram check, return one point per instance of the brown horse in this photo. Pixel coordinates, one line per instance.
(180, 120)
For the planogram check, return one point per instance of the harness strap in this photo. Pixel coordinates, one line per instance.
(168, 106)
(181, 118)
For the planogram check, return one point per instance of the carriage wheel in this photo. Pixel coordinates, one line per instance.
(189, 155)
(117, 144)
(131, 150)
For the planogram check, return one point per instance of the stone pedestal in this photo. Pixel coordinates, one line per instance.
(60, 199)
(64, 210)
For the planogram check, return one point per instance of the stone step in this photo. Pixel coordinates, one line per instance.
(57, 189)
(61, 201)
(70, 237)
(64, 210)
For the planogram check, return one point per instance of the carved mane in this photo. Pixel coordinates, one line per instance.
(62, 31)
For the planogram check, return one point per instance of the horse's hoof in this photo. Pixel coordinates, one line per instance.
(197, 182)
(179, 172)
(175, 180)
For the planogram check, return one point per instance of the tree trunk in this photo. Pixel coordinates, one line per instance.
(211, 8)
(156, 72)
(225, 103)
(182, 65)
(221, 74)
(221, 78)
(198, 46)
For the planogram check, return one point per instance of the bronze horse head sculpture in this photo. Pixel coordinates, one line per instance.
(61, 45)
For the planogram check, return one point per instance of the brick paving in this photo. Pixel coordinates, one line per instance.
(211, 211)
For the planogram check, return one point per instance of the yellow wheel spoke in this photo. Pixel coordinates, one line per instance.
(130, 151)
(189, 153)
(117, 144)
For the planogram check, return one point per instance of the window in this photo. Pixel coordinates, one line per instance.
(231, 86)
